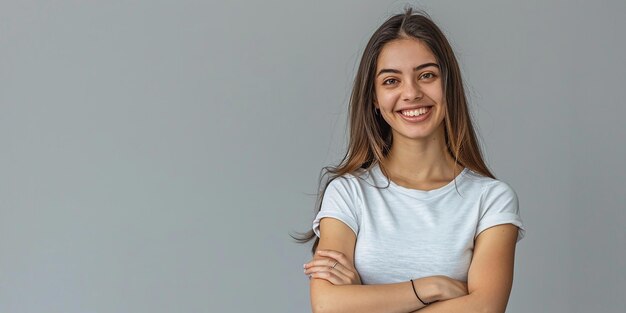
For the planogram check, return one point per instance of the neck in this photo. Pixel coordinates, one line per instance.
(421, 160)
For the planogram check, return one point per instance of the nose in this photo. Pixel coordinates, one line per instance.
(411, 91)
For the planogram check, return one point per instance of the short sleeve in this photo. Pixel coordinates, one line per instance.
(499, 205)
(341, 202)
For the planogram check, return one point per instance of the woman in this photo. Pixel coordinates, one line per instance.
(412, 218)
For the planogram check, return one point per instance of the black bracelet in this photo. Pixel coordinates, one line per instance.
(418, 297)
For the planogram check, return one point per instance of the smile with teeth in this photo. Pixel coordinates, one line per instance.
(417, 112)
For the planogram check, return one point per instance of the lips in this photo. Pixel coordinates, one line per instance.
(416, 118)
(416, 111)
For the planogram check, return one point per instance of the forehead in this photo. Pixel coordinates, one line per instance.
(404, 53)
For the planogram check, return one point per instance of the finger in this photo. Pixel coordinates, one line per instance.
(329, 276)
(340, 257)
(327, 263)
(349, 273)
(316, 269)
(345, 277)
(322, 261)
(319, 262)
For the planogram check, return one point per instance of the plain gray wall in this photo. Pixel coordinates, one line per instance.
(157, 154)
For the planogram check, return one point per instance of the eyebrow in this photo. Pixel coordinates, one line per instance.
(417, 68)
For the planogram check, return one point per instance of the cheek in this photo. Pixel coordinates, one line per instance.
(386, 99)
(435, 92)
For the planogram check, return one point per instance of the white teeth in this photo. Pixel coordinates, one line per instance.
(417, 112)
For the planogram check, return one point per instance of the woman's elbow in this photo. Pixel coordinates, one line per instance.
(489, 305)
(319, 308)
(321, 293)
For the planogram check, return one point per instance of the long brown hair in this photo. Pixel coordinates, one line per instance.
(370, 135)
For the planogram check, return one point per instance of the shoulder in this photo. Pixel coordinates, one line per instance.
(353, 187)
(489, 186)
(499, 204)
(350, 181)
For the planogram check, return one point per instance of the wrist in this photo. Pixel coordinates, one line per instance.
(428, 288)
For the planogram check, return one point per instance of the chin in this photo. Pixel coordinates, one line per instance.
(415, 136)
(421, 135)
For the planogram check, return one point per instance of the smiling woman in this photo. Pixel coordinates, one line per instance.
(412, 218)
(408, 90)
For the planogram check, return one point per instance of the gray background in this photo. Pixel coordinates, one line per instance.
(155, 155)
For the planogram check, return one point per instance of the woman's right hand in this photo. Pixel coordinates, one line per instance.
(450, 288)
(342, 272)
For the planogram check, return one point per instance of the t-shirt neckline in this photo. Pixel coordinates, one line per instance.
(417, 193)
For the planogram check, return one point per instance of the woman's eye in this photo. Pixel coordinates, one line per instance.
(390, 81)
(428, 75)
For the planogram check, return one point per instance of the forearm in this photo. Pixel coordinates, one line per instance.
(383, 298)
(471, 303)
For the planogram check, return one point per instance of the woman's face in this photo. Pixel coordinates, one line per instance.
(408, 89)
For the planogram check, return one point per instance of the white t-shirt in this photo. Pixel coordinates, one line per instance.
(406, 233)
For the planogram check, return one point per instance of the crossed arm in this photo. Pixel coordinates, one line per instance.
(490, 279)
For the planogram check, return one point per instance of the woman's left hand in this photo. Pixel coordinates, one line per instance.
(334, 267)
